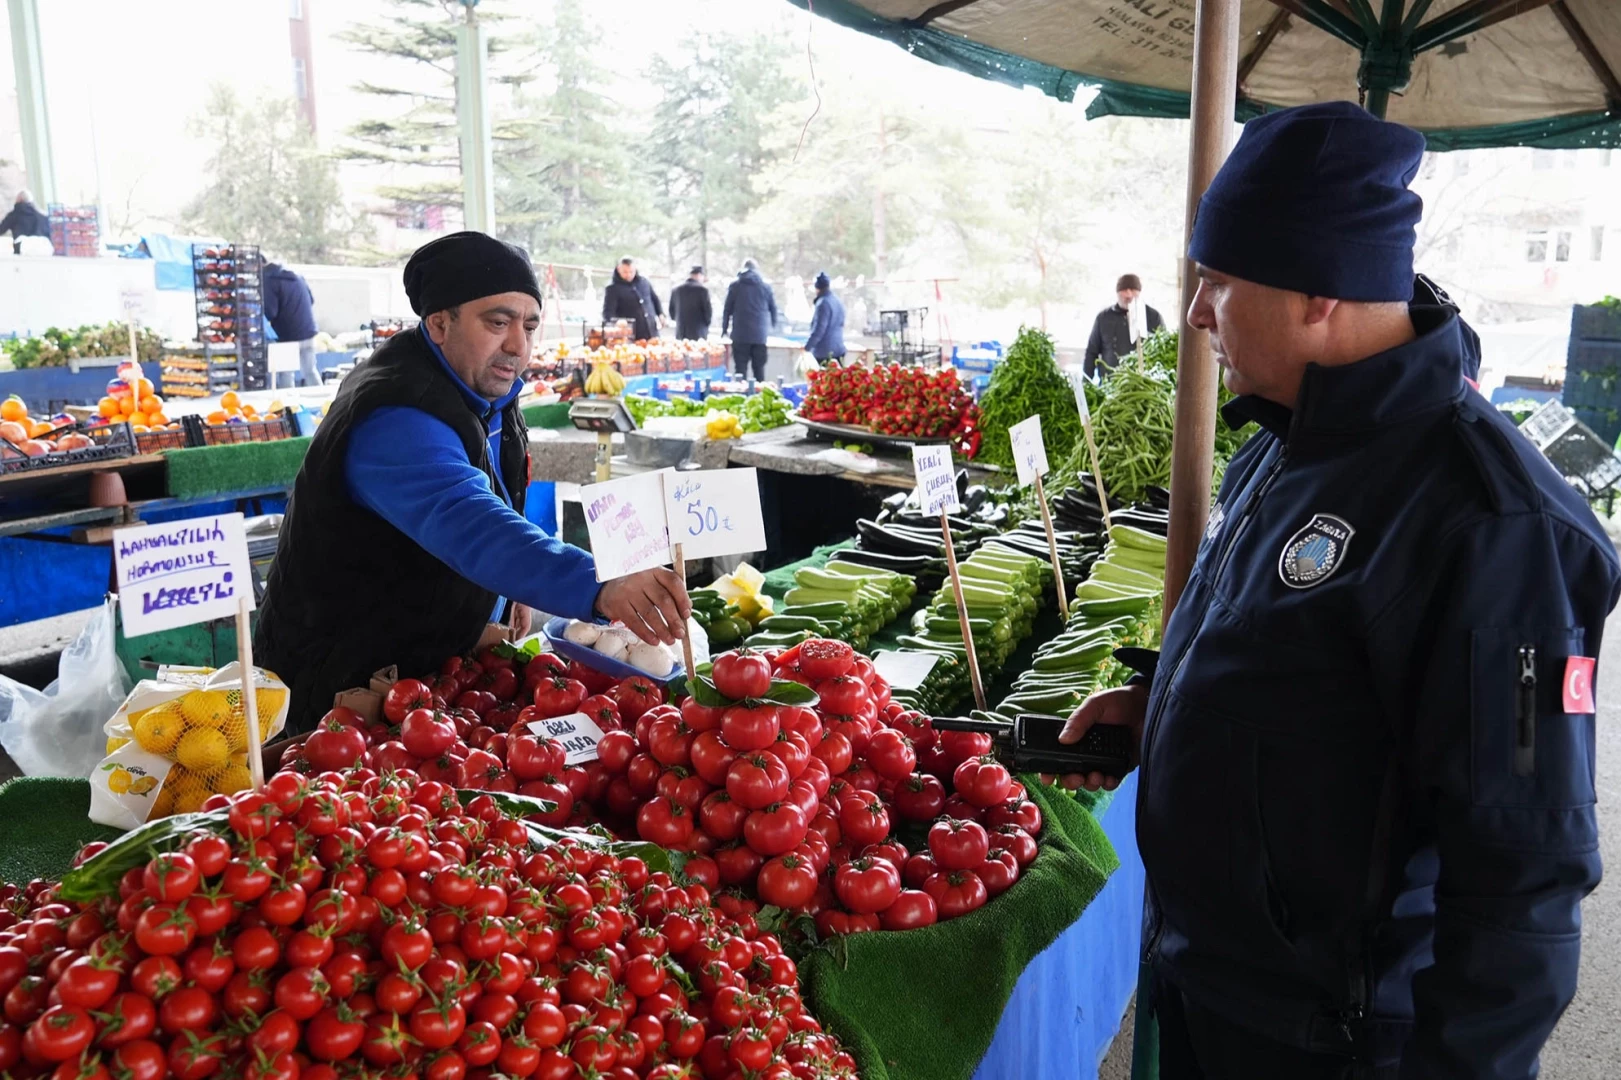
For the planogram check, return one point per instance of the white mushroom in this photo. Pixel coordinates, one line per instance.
(612, 646)
(653, 659)
(582, 633)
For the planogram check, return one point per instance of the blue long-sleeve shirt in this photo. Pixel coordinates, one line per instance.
(410, 469)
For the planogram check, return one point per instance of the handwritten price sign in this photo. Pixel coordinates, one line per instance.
(181, 572)
(578, 733)
(625, 519)
(1029, 452)
(936, 479)
(714, 512)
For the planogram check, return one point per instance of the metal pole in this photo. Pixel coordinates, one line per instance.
(473, 117)
(28, 61)
(1215, 81)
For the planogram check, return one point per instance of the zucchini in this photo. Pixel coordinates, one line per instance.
(789, 623)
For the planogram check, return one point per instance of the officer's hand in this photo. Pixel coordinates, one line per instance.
(652, 603)
(1126, 706)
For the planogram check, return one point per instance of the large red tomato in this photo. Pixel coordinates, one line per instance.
(957, 844)
(748, 728)
(636, 695)
(787, 881)
(426, 733)
(334, 745)
(867, 886)
(742, 674)
(557, 696)
(405, 695)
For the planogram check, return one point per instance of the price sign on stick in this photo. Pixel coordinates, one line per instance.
(578, 733)
(184, 572)
(1029, 452)
(181, 572)
(626, 521)
(936, 479)
(714, 512)
(904, 670)
(1078, 381)
(1030, 457)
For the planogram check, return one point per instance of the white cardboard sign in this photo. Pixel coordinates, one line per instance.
(625, 518)
(936, 479)
(577, 732)
(904, 670)
(181, 572)
(1077, 382)
(714, 512)
(1029, 452)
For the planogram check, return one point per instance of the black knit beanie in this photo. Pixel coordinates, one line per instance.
(466, 266)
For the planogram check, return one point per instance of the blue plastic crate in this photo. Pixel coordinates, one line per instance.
(981, 357)
(795, 393)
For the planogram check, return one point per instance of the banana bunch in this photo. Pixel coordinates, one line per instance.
(604, 380)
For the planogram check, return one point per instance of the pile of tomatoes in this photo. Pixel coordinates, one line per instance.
(809, 809)
(371, 926)
(471, 728)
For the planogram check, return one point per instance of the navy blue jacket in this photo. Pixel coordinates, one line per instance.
(692, 310)
(25, 219)
(1351, 843)
(288, 304)
(827, 328)
(751, 311)
(634, 301)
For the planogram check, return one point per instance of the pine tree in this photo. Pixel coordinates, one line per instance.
(416, 138)
(568, 183)
(266, 182)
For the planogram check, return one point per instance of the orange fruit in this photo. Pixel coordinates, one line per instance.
(151, 404)
(36, 428)
(139, 429)
(229, 401)
(146, 387)
(108, 407)
(13, 408)
(156, 419)
(217, 416)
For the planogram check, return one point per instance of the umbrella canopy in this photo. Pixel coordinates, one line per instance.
(1467, 73)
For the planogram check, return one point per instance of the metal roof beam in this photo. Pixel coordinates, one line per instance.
(1263, 41)
(1584, 45)
(1327, 18)
(1469, 18)
(946, 7)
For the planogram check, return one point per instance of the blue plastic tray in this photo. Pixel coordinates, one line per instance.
(597, 661)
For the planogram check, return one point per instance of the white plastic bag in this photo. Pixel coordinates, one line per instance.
(57, 731)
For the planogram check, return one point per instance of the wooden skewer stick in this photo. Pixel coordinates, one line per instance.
(250, 700)
(962, 613)
(1097, 475)
(680, 561)
(1052, 546)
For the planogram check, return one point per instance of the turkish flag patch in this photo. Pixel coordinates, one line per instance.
(1578, 686)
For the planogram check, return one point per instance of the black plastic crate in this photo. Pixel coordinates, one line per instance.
(109, 442)
(283, 425)
(1595, 322)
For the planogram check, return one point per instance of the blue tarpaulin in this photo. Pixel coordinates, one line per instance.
(173, 257)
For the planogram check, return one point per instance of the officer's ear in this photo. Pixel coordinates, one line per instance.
(1319, 308)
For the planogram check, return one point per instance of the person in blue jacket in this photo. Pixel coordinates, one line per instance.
(1366, 789)
(405, 535)
(826, 341)
(750, 316)
(289, 308)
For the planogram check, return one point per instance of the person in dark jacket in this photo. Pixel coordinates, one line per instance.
(289, 308)
(691, 308)
(826, 340)
(405, 535)
(1366, 796)
(750, 314)
(24, 219)
(630, 296)
(1113, 332)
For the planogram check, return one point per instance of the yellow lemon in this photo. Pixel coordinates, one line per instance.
(232, 778)
(202, 750)
(143, 785)
(118, 782)
(163, 805)
(157, 730)
(207, 708)
(114, 742)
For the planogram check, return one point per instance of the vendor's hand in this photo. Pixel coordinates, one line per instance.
(521, 617)
(1127, 707)
(652, 603)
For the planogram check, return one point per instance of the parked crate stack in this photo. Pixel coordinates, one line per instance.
(1593, 369)
(199, 370)
(75, 230)
(229, 286)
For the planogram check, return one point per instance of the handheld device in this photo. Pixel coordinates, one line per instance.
(1030, 744)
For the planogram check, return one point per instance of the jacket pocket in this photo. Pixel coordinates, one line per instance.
(1526, 751)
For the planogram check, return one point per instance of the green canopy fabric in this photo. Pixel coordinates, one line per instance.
(1467, 73)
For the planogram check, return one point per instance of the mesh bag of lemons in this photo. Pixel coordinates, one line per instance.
(178, 739)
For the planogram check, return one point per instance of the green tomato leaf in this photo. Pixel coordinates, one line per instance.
(788, 692)
(702, 689)
(510, 803)
(98, 875)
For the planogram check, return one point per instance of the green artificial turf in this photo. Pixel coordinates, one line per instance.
(44, 820)
(924, 1004)
(210, 470)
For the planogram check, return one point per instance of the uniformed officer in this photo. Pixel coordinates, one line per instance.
(1366, 793)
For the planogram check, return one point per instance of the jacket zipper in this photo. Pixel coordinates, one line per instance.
(1525, 748)
(1239, 526)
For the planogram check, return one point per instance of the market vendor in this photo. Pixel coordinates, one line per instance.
(405, 535)
(1366, 797)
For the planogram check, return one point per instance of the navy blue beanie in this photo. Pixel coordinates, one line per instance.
(822, 281)
(1314, 199)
